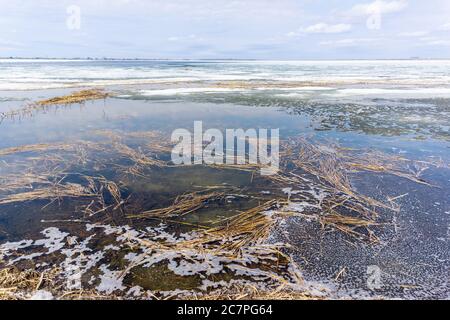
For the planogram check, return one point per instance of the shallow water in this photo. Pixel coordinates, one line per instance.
(414, 258)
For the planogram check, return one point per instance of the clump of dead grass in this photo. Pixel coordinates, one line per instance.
(343, 208)
(75, 97)
(55, 192)
(78, 97)
(17, 284)
(251, 292)
(251, 227)
(183, 205)
(35, 148)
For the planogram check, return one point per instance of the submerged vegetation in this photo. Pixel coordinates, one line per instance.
(118, 232)
(92, 207)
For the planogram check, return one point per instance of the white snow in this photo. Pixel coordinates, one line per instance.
(42, 295)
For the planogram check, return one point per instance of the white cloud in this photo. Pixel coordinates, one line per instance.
(413, 34)
(349, 42)
(5, 42)
(438, 43)
(185, 38)
(433, 41)
(236, 28)
(445, 27)
(378, 7)
(322, 28)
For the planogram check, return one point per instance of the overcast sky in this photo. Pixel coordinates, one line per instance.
(256, 29)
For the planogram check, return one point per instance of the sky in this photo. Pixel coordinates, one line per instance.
(225, 29)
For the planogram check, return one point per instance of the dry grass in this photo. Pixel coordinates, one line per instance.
(249, 292)
(343, 208)
(83, 149)
(246, 229)
(86, 295)
(183, 205)
(27, 180)
(75, 97)
(243, 234)
(378, 162)
(52, 186)
(349, 225)
(36, 148)
(251, 227)
(140, 159)
(16, 284)
(330, 164)
(53, 193)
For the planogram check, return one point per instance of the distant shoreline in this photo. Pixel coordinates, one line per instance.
(210, 59)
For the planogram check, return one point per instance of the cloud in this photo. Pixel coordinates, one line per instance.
(10, 43)
(349, 42)
(322, 28)
(432, 41)
(439, 43)
(445, 27)
(235, 29)
(327, 28)
(413, 34)
(378, 7)
(184, 38)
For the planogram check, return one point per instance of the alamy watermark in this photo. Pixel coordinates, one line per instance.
(374, 277)
(73, 21)
(237, 147)
(373, 22)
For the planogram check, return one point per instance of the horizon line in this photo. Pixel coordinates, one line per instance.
(211, 59)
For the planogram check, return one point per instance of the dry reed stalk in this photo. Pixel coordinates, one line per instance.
(22, 181)
(333, 163)
(75, 97)
(86, 295)
(239, 167)
(252, 292)
(114, 191)
(330, 167)
(183, 205)
(83, 149)
(16, 284)
(140, 159)
(35, 148)
(255, 84)
(137, 156)
(247, 228)
(153, 140)
(251, 227)
(346, 223)
(68, 190)
(343, 208)
(99, 185)
(43, 147)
